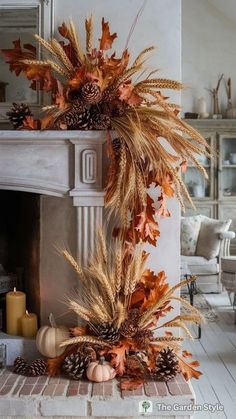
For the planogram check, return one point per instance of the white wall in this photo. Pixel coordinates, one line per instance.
(208, 49)
(160, 25)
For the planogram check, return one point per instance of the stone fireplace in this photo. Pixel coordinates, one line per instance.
(51, 191)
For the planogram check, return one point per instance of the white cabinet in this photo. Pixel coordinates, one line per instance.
(215, 197)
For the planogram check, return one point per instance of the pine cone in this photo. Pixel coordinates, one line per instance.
(143, 337)
(78, 106)
(76, 119)
(106, 331)
(100, 121)
(167, 365)
(20, 366)
(75, 365)
(91, 93)
(87, 351)
(18, 114)
(109, 94)
(38, 367)
(134, 315)
(128, 329)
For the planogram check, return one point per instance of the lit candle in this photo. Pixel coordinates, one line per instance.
(15, 308)
(29, 323)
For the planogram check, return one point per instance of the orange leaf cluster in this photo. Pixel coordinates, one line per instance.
(151, 289)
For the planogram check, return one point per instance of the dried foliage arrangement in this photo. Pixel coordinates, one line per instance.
(94, 89)
(123, 306)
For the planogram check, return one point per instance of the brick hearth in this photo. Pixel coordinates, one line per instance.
(43, 396)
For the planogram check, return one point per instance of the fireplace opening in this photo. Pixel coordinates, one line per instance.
(20, 247)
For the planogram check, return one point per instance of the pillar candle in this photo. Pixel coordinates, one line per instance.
(15, 308)
(29, 323)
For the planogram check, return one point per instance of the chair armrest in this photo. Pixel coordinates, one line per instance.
(227, 235)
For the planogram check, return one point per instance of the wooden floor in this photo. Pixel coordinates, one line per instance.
(216, 352)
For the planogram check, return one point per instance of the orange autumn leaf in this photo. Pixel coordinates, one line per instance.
(113, 67)
(186, 354)
(15, 55)
(162, 211)
(127, 94)
(107, 39)
(131, 384)
(167, 189)
(147, 227)
(119, 354)
(30, 123)
(188, 369)
(78, 79)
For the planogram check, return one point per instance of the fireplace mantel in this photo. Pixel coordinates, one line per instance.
(58, 163)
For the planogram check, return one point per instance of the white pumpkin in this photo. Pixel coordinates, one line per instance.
(49, 338)
(100, 371)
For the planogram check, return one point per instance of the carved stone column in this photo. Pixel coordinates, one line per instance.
(88, 194)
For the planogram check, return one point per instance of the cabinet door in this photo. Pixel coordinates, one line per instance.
(227, 167)
(200, 187)
(228, 211)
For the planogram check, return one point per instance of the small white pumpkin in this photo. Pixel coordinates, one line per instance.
(49, 338)
(100, 371)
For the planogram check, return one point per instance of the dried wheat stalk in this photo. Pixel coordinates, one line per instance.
(85, 339)
(89, 34)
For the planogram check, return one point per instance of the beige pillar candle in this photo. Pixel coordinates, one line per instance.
(29, 323)
(15, 308)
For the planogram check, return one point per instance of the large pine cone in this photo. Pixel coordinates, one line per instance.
(106, 331)
(75, 365)
(38, 367)
(91, 93)
(20, 366)
(77, 118)
(167, 365)
(18, 114)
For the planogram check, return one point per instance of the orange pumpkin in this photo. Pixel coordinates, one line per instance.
(100, 371)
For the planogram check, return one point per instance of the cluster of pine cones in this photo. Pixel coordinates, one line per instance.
(38, 367)
(166, 364)
(128, 329)
(91, 109)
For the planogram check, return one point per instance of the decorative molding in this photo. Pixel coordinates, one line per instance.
(89, 218)
(212, 124)
(89, 166)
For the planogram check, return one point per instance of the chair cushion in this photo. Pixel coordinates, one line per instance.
(208, 244)
(199, 265)
(190, 227)
(228, 264)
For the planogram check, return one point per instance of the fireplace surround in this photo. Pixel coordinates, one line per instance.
(63, 172)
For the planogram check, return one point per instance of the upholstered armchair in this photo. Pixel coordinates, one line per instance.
(204, 241)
